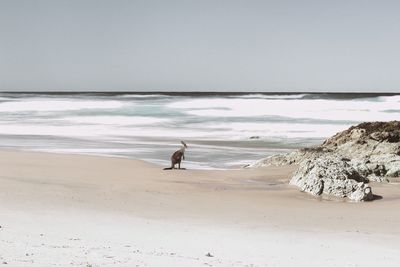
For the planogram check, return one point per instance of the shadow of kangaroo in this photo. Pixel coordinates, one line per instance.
(177, 157)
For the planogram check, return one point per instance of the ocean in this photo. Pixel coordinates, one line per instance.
(222, 130)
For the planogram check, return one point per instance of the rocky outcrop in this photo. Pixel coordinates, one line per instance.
(295, 157)
(331, 175)
(379, 131)
(371, 149)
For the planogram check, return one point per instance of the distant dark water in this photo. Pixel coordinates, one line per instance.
(222, 129)
(305, 95)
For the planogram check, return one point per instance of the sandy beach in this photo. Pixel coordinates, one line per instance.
(284, 116)
(74, 210)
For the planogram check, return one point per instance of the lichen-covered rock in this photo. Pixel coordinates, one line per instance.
(332, 175)
(378, 131)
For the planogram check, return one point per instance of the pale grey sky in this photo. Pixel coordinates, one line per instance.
(200, 45)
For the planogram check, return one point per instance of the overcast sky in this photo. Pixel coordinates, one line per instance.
(200, 45)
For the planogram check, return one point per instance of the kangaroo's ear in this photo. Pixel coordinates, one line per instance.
(183, 143)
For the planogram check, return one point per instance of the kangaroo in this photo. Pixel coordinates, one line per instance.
(177, 157)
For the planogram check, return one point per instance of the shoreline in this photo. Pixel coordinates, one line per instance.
(100, 210)
(111, 156)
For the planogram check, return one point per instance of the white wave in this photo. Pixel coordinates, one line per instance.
(100, 131)
(195, 119)
(57, 105)
(116, 120)
(296, 96)
(171, 124)
(109, 132)
(297, 108)
(224, 131)
(142, 96)
(277, 130)
(393, 99)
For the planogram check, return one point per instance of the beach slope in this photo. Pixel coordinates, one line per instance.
(74, 210)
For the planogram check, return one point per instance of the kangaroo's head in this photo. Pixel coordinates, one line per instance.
(184, 144)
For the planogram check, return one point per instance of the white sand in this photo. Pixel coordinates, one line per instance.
(68, 210)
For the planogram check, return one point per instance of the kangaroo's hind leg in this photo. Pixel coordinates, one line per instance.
(172, 163)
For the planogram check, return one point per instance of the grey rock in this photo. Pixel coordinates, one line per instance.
(276, 160)
(330, 174)
(371, 149)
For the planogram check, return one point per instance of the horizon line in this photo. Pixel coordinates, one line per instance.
(198, 92)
